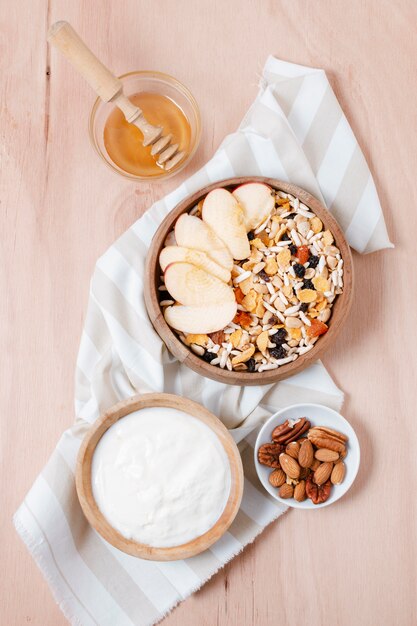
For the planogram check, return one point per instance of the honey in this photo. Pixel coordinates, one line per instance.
(123, 141)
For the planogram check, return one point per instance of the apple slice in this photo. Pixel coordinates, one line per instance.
(192, 232)
(200, 319)
(170, 239)
(175, 254)
(191, 286)
(257, 202)
(221, 211)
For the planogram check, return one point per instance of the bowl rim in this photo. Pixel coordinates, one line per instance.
(180, 87)
(340, 311)
(96, 518)
(353, 444)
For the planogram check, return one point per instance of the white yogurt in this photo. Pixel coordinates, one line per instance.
(160, 477)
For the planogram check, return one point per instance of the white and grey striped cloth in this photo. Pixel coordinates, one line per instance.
(294, 131)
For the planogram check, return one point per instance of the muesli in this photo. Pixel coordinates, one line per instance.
(251, 278)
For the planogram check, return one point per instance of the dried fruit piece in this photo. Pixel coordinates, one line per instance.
(326, 455)
(286, 491)
(322, 473)
(300, 491)
(306, 454)
(242, 318)
(289, 465)
(338, 473)
(317, 328)
(292, 449)
(268, 454)
(307, 295)
(239, 295)
(277, 478)
(303, 254)
(217, 337)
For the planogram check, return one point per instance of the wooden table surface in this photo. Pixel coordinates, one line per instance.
(355, 562)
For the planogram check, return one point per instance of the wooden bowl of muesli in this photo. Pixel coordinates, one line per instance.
(291, 293)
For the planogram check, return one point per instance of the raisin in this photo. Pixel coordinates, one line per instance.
(251, 235)
(279, 337)
(293, 249)
(250, 365)
(313, 261)
(299, 270)
(304, 307)
(209, 356)
(278, 353)
(308, 284)
(262, 274)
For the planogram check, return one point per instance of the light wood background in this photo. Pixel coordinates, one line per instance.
(355, 562)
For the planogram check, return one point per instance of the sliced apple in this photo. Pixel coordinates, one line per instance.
(190, 285)
(170, 240)
(221, 211)
(200, 319)
(257, 202)
(192, 232)
(175, 254)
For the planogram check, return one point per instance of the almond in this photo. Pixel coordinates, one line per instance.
(323, 454)
(277, 478)
(300, 491)
(315, 464)
(338, 473)
(293, 449)
(290, 465)
(306, 454)
(286, 491)
(322, 473)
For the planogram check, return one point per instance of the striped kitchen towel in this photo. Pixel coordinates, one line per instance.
(294, 131)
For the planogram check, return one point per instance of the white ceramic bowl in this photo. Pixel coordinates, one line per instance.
(318, 415)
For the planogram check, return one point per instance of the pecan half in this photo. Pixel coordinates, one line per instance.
(286, 432)
(330, 444)
(317, 494)
(268, 454)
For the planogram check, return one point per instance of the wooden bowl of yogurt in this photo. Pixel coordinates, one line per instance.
(159, 477)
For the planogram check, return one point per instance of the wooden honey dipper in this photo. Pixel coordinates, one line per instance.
(110, 89)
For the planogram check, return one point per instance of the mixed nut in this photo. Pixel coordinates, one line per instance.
(306, 460)
(283, 290)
